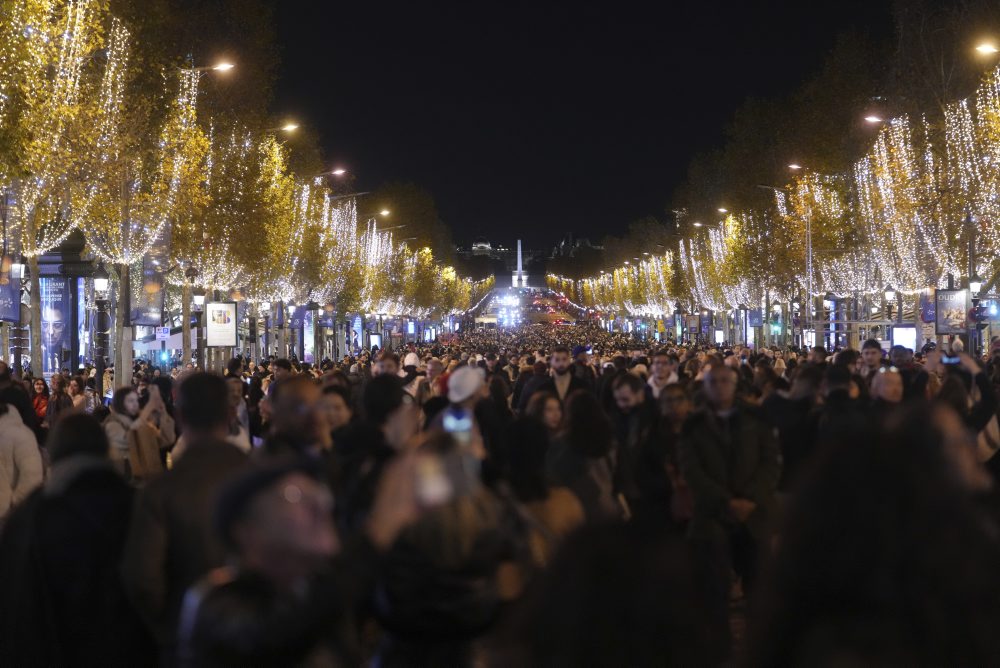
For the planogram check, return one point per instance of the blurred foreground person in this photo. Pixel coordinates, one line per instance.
(20, 460)
(61, 598)
(730, 459)
(885, 558)
(614, 595)
(288, 594)
(171, 543)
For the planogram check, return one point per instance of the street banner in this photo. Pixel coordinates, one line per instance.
(693, 323)
(298, 315)
(147, 309)
(755, 317)
(220, 324)
(55, 322)
(951, 311)
(10, 292)
(706, 323)
(927, 307)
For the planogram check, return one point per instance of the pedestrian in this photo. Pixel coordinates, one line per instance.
(21, 469)
(171, 543)
(62, 602)
(582, 458)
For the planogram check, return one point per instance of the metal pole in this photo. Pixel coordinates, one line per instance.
(973, 330)
(102, 331)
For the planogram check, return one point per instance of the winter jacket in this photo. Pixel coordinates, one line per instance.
(172, 543)
(61, 597)
(20, 461)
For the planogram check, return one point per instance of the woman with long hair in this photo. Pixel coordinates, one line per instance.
(40, 403)
(77, 392)
(546, 409)
(582, 457)
(60, 403)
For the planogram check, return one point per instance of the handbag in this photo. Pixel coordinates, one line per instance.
(144, 453)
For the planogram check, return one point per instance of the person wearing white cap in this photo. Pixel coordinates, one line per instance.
(410, 375)
(466, 386)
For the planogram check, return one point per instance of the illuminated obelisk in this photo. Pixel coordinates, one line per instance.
(519, 276)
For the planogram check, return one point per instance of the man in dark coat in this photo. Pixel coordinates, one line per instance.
(640, 471)
(730, 460)
(561, 383)
(61, 598)
(171, 543)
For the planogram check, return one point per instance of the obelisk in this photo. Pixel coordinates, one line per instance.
(520, 268)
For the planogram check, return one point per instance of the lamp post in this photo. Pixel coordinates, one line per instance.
(102, 327)
(18, 272)
(975, 285)
(890, 297)
(746, 325)
(199, 306)
(266, 308)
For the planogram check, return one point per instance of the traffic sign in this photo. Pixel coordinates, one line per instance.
(162, 333)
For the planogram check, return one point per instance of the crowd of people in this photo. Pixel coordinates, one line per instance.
(551, 495)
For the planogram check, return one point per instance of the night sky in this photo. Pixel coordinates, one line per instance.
(537, 121)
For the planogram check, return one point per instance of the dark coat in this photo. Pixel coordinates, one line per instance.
(792, 418)
(61, 598)
(172, 542)
(729, 458)
(548, 384)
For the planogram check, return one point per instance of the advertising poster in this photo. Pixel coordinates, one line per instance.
(220, 324)
(147, 309)
(693, 322)
(55, 322)
(755, 316)
(356, 334)
(951, 310)
(706, 323)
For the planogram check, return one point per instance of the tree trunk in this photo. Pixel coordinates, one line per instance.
(36, 317)
(122, 375)
(185, 324)
(5, 340)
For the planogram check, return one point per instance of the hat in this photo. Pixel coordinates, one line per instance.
(411, 359)
(464, 383)
(237, 494)
(579, 349)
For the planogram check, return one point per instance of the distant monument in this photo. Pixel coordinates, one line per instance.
(519, 279)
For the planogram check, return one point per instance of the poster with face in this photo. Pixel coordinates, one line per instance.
(220, 324)
(54, 301)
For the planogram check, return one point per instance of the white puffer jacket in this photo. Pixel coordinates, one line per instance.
(20, 461)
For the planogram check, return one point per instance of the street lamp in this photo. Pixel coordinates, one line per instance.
(287, 127)
(794, 167)
(873, 119)
(975, 284)
(890, 293)
(987, 49)
(384, 212)
(102, 328)
(218, 67)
